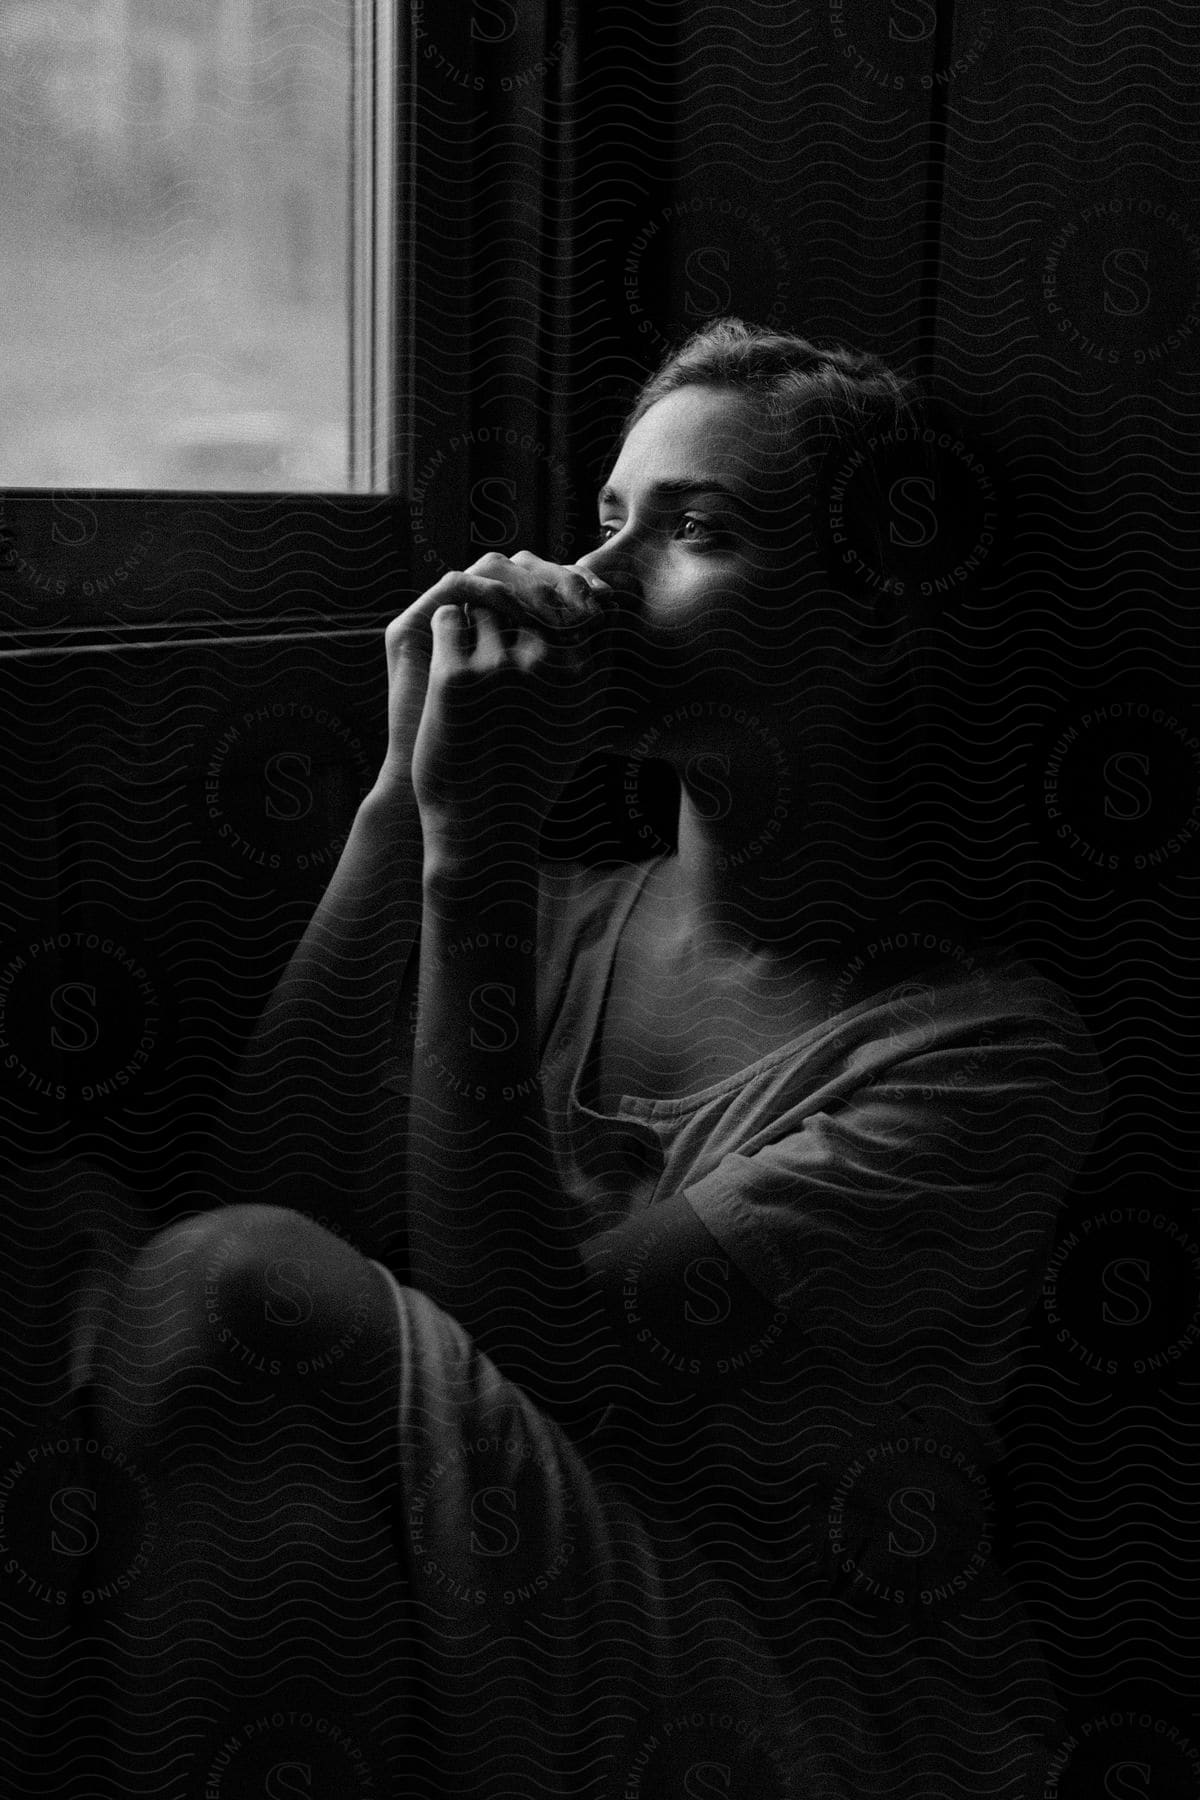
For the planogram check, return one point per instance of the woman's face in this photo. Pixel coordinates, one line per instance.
(701, 536)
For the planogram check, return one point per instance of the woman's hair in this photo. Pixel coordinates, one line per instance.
(824, 400)
(819, 396)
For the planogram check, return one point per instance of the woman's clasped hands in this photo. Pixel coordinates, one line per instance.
(495, 681)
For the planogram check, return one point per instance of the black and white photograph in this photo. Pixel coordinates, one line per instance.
(600, 834)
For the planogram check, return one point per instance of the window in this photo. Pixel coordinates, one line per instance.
(196, 291)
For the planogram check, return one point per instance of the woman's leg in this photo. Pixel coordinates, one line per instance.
(572, 1650)
(245, 1396)
(365, 1526)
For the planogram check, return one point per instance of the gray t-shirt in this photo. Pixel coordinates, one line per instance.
(888, 1182)
(889, 1179)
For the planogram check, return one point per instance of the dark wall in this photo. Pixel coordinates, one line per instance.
(1001, 199)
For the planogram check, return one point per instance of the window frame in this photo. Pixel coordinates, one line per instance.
(84, 567)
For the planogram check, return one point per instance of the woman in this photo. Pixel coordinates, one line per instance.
(666, 1469)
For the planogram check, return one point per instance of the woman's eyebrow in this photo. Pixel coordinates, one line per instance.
(688, 484)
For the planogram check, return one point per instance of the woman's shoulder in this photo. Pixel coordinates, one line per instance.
(1011, 987)
(1000, 1023)
(994, 986)
(946, 961)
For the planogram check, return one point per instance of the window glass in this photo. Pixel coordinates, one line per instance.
(175, 204)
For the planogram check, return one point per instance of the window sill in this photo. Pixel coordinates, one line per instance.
(77, 566)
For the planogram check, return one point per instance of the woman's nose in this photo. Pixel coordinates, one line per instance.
(613, 566)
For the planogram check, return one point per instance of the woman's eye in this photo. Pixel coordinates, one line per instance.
(694, 530)
(703, 528)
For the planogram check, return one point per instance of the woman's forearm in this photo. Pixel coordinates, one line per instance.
(492, 1237)
(340, 985)
(310, 1076)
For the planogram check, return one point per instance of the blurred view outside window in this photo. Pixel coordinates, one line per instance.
(175, 201)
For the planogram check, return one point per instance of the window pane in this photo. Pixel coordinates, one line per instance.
(174, 279)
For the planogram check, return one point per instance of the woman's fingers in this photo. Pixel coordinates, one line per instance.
(518, 607)
(567, 578)
(555, 593)
(454, 589)
(521, 591)
(542, 569)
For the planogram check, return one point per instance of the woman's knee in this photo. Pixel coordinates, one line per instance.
(246, 1301)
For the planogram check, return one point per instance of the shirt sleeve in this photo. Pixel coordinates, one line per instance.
(908, 1224)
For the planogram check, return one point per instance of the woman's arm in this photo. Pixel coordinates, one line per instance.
(492, 1237)
(306, 1105)
(309, 1082)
